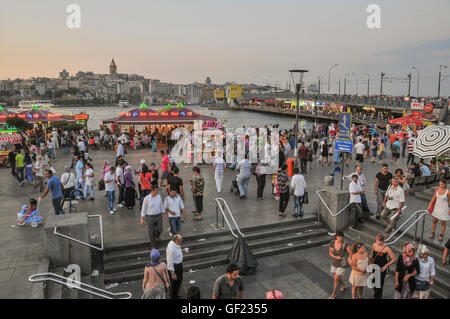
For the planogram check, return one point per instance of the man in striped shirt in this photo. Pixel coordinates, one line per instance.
(410, 149)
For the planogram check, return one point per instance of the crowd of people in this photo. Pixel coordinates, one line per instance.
(160, 192)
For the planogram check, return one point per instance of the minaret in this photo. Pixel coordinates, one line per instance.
(113, 68)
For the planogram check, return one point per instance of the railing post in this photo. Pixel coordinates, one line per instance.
(415, 229)
(423, 228)
(217, 216)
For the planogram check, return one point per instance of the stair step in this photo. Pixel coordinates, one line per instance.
(219, 249)
(222, 240)
(133, 244)
(137, 274)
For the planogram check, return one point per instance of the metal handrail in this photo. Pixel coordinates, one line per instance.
(415, 223)
(82, 242)
(78, 285)
(329, 210)
(224, 218)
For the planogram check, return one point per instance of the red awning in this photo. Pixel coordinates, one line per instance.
(407, 120)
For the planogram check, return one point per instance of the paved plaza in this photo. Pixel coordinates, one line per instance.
(299, 275)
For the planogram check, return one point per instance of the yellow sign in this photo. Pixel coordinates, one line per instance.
(219, 94)
(235, 91)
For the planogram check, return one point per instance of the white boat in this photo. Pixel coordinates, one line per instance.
(26, 105)
(123, 103)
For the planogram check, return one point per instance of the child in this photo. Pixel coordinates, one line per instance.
(26, 212)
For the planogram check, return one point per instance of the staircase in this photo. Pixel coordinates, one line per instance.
(125, 262)
(371, 228)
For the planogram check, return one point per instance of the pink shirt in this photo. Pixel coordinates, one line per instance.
(165, 164)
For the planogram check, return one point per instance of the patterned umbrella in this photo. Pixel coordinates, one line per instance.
(432, 141)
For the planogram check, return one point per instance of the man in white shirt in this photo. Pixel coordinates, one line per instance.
(174, 207)
(81, 145)
(362, 182)
(394, 200)
(298, 184)
(120, 180)
(355, 200)
(174, 255)
(110, 180)
(359, 148)
(89, 182)
(152, 210)
(219, 169)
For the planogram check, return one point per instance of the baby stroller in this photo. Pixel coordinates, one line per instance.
(34, 218)
(234, 187)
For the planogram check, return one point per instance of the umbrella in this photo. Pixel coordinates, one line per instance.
(407, 120)
(432, 141)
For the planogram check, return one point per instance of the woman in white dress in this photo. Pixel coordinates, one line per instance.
(441, 212)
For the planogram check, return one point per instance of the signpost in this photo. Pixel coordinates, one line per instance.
(344, 142)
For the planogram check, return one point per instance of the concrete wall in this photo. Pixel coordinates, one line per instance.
(62, 251)
(336, 200)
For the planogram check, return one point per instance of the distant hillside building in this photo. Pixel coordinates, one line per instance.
(113, 69)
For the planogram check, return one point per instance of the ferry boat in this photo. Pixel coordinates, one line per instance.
(123, 103)
(26, 105)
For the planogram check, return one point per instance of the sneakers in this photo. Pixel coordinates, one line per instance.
(92, 198)
(281, 214)
(114, 209)
(120, 205)
(21, 183)
(111, 212)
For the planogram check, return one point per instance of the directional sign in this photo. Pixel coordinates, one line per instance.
(343, 145)
(345, 124)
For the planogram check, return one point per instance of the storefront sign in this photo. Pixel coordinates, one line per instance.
(416, 106)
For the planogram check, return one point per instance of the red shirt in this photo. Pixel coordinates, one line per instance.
(165, 163)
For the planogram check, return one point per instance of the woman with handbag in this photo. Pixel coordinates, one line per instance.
(339, 253)
(439, 208)
(156, 278)
(425, 278)
(379, 256)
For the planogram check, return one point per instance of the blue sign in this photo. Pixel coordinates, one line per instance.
(345, 124)
(343, 145)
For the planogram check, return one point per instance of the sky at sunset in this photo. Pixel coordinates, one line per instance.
(247, 41)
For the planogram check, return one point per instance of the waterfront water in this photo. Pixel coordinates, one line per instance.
(233, 119)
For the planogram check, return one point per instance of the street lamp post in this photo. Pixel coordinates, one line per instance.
(298, 87)
(418, 80)
(368, 83)
(329, 74)
(409, 84)
(381, 86)
(345, 82)
(439, 82)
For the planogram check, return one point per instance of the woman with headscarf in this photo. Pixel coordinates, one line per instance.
(156, 278)
(129, 187)
(406, 271)
(425, 278)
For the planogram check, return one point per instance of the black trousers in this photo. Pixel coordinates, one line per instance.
(155, 224)
(303, 164)
(176, 284)
(261, 182)
(198, 203)
(378, 292)
(410, 158)
(284, 200)
(121, 193)
(357, 213)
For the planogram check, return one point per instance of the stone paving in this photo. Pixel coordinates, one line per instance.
(22, 248)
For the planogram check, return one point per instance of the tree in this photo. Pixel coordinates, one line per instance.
(19, 123)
